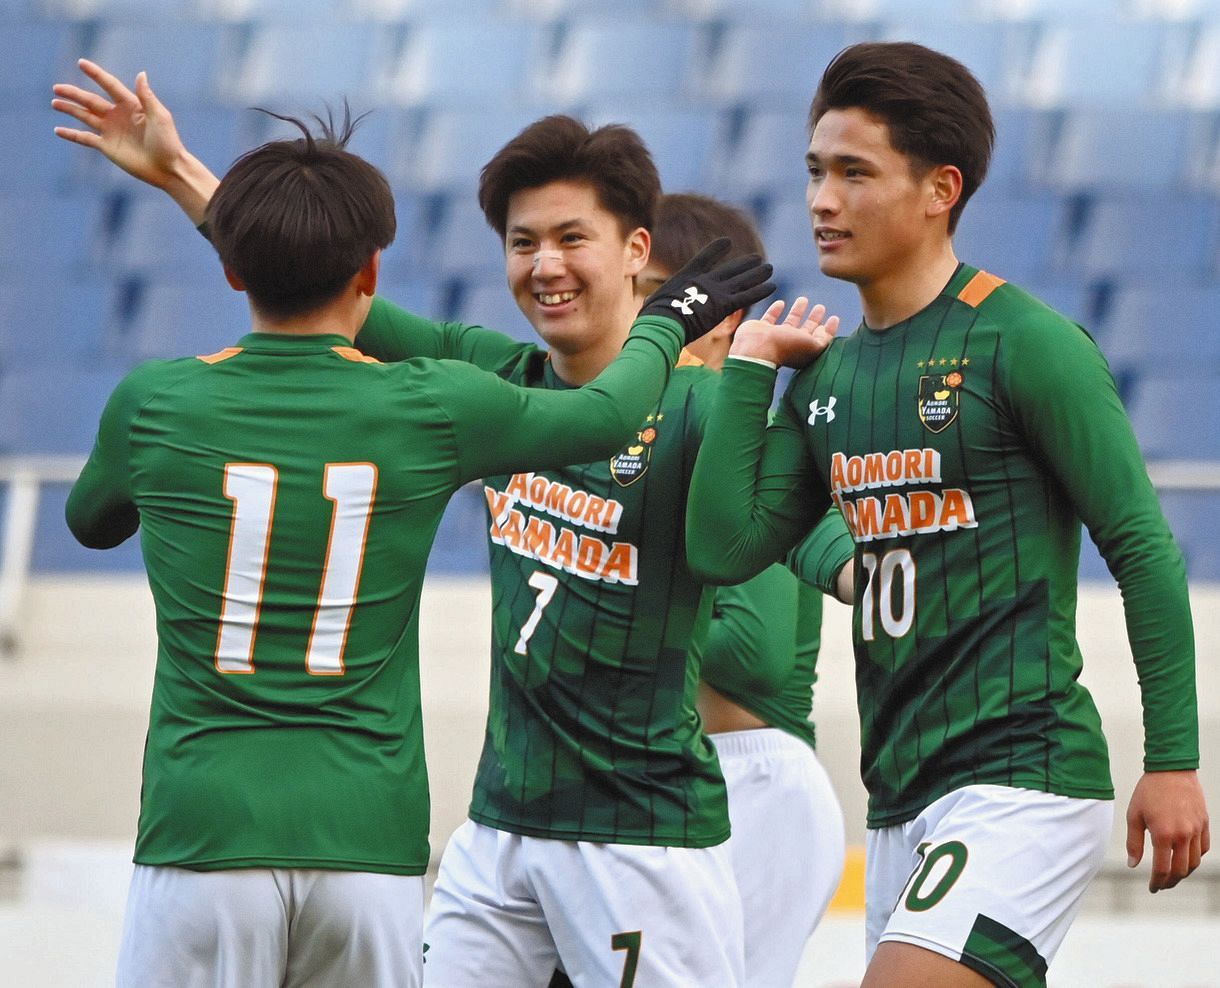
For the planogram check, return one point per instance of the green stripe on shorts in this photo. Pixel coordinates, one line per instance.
(1006, 957)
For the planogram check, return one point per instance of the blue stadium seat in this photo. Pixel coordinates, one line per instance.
(1021, 136)
(1095, 149)
(1175, 415)
(603, 59)
(1200, 86)
(397, 11)
(1149, 238)
(271, 11)
(682, 139)
(1073, 299)
(763, 156)
(1102, 61)
(419, 295)
(1152, 329)
(1010, 235)
(33, 55)
(52, 407)
(1192, 519)
(66, 324)
(182, 59)
(452, 146)
(56, 551)
(774, 65)
(489, 302)
(343, 60)
(153, 237)
(184, 319)
(461, 540)
(459, 61)
(998, 52)
(462, 243)
(33, 160)
(129, 11)
(52, 235)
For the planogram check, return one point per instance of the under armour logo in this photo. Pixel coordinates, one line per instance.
(683, 305)
(828, 410)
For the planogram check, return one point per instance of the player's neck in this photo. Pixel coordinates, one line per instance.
(579, 367)
(906, 289)
(343, 317)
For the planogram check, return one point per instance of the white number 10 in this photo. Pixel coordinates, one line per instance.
(252, 488)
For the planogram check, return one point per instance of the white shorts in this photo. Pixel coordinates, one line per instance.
(255, 927)
(509, 910)
(784, 812)
(990, 876)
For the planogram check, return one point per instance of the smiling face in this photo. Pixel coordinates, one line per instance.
(570, 267)
(868, 205)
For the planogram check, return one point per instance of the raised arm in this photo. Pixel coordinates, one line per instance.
(136, 131)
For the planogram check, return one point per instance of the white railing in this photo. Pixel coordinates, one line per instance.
(24, 477)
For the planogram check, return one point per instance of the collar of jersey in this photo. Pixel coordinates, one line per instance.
(881, 337)
(288, 343)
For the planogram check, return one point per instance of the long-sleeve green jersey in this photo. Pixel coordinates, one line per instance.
(964, 447)
(592, 732)
(761, 646)
(287, 491)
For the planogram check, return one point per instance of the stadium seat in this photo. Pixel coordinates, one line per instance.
(56, 551)
(1175, 415)
(1151, 329)
(343, 61)
(52, 235)
(53, 407)
(461, 242)
(998, 52)
(773, 65)
(1149, 238)
(407, 10)
(183, 319)
(283, 11)
(1107, 62)
(33, 160)
(153, 237)
(682, 139)
(1192, 519)
(118, 10)
(34, 55)
(762, 154)
(461, 539)
(624, 58)
(1021, 136)
(1010, 235)
(1114, 149)
(462, 61)
(67, 324)
(451, 147)
(1073, 299)
(1200, 85)
(182, 59)
(419, 295)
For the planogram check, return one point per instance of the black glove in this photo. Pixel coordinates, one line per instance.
(702, 295)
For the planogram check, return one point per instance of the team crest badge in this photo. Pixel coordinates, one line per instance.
(939, 400)
(632, 463)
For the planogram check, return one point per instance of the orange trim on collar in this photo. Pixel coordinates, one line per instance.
(219, 355)
(354, 355)
(978, 288)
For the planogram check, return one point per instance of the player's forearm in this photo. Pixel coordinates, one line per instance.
(96, 517)
(191, 185)
(821, 556)
(739, 520)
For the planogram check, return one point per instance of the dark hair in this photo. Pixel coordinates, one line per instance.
(686, 222)
(934, 107)
(612, 159)
(296, 219)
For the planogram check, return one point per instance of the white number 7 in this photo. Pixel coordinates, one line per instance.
(545, 584)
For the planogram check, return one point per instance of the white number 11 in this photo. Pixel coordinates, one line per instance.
(252, 488)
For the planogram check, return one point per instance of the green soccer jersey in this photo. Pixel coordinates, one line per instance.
(964, 447)
(287, 491)
(592, 732)
(761, 647)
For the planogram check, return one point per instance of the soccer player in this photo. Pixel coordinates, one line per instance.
(599, 817)
(287, 490)
(965, 430)
(757, 664)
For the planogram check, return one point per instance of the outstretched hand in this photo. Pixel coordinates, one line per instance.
(796, 341)
(1170, 806)
(136, 131)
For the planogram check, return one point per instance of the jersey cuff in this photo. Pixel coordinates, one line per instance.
(754, 360)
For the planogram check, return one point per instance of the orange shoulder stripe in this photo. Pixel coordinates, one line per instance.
(219, 355)
(978, 288)
(688, 359)
(354, 355)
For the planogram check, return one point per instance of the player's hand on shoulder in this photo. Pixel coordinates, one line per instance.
(707, 291)
(795, 340)
(1171, 807)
